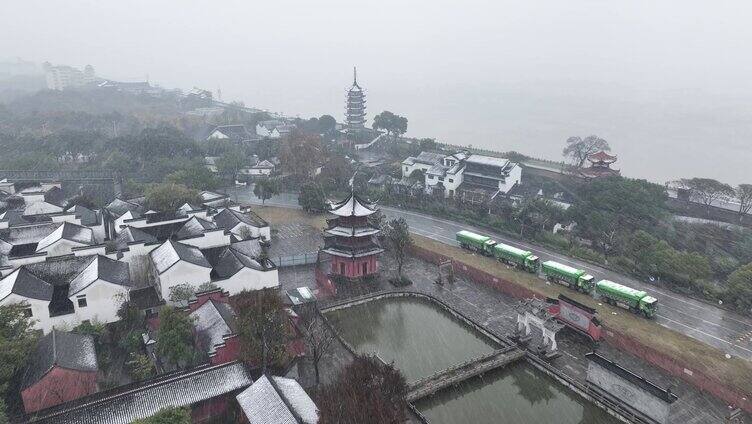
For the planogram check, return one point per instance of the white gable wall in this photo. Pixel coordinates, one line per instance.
(214, 238)
(40, 312)
(61, 247)
(218, 135)
(515, 176)
(103, 300)
(255, 231)
(249, 279)
(180, 273)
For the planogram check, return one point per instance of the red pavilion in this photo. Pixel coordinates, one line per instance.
(351, 240)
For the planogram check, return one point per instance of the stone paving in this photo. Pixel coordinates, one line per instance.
(295, 240)
(495, 311)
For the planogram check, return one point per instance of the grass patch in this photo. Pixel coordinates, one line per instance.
(735, 372)
(277, 216)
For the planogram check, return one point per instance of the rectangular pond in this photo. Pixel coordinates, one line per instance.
(422, 338)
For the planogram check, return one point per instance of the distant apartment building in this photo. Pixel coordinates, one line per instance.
(62, 76)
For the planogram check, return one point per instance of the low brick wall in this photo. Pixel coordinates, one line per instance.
(477, 275)
(614, 338)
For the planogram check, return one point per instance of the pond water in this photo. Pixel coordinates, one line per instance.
(421, 338)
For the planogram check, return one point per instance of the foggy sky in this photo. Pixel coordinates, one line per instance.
(667, 83)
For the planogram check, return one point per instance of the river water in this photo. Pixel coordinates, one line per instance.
(422, 338)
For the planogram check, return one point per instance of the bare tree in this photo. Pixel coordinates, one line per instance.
(744, 195)
(579, 149)
(317, 337)
(707, 190)
(398, 241)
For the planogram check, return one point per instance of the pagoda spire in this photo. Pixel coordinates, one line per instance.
(355, 76)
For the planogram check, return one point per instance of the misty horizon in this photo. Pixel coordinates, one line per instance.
(662, 84)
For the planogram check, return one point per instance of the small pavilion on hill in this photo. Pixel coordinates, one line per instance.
(600, 166)
(350, 239)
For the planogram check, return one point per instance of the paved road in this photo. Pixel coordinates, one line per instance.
(727, 331)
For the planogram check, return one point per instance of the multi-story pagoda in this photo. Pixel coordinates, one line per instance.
(351, 240)
(355, 113)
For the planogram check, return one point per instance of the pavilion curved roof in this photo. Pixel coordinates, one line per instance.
(601, 156)
(353, 205)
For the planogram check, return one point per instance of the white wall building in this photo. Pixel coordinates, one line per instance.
(177, 263)
(66, 291)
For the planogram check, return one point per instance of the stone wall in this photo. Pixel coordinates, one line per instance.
(668, 363)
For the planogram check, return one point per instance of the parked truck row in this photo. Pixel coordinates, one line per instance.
(636, 301)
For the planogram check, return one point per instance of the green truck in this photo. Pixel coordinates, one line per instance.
(566, 275)
(517, 257)
(475, 242)
(637, 301)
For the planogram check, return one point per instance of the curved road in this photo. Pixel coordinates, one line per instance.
(727, 331)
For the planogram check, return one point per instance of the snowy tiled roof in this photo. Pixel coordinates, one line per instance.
(88, 217)
(131, 234)
(228, 260)
(213, 321)
(68, 231)
(28, 233)
(194, 227)
(353, 206)
(229, 218)
(170, 252)
(59, 348)
(429, 158)
(128, 403)
(24, 283)
(263, 164)
(80, 271)
(55, 196)
(101, 268)
(487, 160)
(210, 196)
(119, 206)
(277, 400)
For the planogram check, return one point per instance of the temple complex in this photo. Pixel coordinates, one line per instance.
(600, 166)
(350, 239)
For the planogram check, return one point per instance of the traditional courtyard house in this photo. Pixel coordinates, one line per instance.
(266, 129)
(234, 221)
(423, 162)
(600, 166)
(63, 367)
(241, 266)
(350, 239)
(66, 237)
(68, 290)
(177, 263)
(263, 168)
(215, 328)
(15, 218)
(485, 177)
(278, 400)
(89, 218)
(118, 211)
(43, 200)
(212, 199)
(209, 391)
(234, 133)
(202, 234)
(444, 178)
(33, 243)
